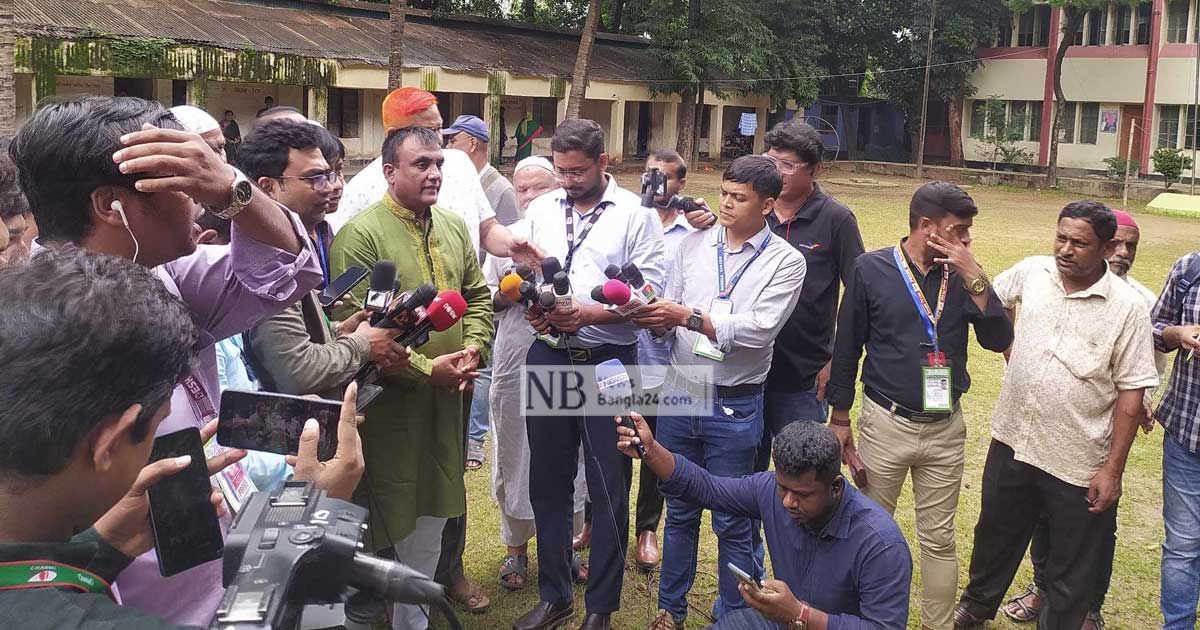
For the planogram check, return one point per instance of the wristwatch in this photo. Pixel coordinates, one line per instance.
(801, 620)
(240, 194)
(695, 321)
(978, 285)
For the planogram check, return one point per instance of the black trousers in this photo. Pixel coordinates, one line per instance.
(649, 509)
(454, 534)
(1039, 551)
(554, 447)
(1015, 497)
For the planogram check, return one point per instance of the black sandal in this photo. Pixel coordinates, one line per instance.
(579, 568)
(514, 565)
(1025, 613)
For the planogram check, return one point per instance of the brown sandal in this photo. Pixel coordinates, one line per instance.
(475, 601)
(1021, 608)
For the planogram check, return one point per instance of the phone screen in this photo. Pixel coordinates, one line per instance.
(186, 531)
(263, 421)
(743, 577)
(342, 285)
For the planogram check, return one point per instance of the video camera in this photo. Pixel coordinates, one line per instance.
(654, 185)
(295, 546)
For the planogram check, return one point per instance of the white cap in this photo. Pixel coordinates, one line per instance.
(534, 161)
(194, 119)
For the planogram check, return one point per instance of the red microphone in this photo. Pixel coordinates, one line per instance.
(616, 292)
(443, 313)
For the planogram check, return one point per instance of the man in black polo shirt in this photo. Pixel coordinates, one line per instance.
(826, 233)
(910, 306)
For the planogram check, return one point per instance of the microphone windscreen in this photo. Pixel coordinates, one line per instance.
(598, 295)
(612, 379)
(633, 274)
(528, 291)
(421, 296)
(550, 266)
(612, 272)
(383, 276)
(562, 285)
(446, 309)
(616, 292)
(547, 301)
(510, 286)
(524, 271)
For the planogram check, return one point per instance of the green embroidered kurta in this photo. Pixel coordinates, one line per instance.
(413, 434)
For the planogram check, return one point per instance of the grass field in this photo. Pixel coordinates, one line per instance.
(1012, 224)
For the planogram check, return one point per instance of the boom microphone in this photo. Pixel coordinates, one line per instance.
(383, 286)
(613, 382)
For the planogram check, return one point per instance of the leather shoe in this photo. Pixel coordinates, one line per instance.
(595, 621)
(546, 616)
(647, 551)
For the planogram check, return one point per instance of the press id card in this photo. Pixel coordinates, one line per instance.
(936, 388)
(704, 346)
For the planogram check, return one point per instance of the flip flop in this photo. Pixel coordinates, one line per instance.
(579, 568)
(476, 602)
(514, 565)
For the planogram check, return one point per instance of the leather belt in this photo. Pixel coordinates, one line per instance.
(722, 391)
(895, 408)
(600, 353)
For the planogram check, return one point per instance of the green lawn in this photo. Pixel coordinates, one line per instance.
(1012, 224)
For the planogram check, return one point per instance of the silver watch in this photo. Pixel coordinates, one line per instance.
(239, 197)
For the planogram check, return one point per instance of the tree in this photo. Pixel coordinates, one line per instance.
(583, 60)
(8, 88)
(396, 11)
(1073, 12)
(1170, 163)
(961, 27)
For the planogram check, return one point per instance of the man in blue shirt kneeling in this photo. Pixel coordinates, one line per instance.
(840, 560)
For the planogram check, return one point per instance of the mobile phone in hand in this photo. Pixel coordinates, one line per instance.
(265, 421)
(182, 517)
(744, 577)
(342, 285)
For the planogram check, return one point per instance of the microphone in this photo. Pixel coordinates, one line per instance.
(524, 271)
(638, 283)
(613, 382)
(392, 581)
(443, 313)
(406, 309)
(510, 286)
(613, 272)
(550, 267)
(616, 292)
(562, 290)
(598, 295)
(383, 286)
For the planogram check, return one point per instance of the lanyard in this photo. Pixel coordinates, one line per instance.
(928, 317)
(202, 404)
(47, 573)
(321, 245)
(737, 276)
(572, 244)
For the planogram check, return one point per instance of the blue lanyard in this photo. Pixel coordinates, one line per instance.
(929, 317)
(727, 289)
(322, 255)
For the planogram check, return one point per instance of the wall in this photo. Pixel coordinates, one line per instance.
(72, 85)
(1012, 79)
(245, 99)
(1113, 80)
(1176, 81)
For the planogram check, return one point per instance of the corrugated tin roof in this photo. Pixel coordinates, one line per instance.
(353, 32)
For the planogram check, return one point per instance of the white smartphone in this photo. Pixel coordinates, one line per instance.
(744, 577)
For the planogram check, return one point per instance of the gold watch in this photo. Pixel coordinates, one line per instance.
(978, 285)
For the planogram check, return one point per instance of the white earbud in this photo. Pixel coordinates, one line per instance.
(120, 209)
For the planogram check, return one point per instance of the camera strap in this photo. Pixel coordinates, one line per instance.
(50, 574)
(572, 244)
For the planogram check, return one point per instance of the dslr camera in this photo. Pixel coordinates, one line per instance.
(654, 185)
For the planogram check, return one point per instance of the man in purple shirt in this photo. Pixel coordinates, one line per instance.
(840, 561)
(119, 176)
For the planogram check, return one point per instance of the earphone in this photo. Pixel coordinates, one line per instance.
(119, 208)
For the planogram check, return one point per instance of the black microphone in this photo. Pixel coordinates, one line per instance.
(407, 309)
(613, 272)
(524, 271)
(638, 282)
(598, 295)
(383, 286)
(550, 267)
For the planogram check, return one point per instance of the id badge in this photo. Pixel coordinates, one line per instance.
(704, 346)
(235, 484)
(553, 342)
(935, 387)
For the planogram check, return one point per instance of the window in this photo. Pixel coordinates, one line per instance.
(1168, 126)
(1097, 26)
(1017, 118)
(1005, 32)
(1189, 127)
(545, 112)
(1025, 28)
(1077, 40)
(1143, 23)
(1089, 118)
(1177, 21)
(1042, 12)
(343, 112)
(1035, 121)
(978, 118)
(1068, 124)
(1124, 24)
(473, 104)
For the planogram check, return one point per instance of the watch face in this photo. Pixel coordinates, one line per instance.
(242, 192)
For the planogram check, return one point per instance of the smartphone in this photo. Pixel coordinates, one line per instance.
(342, 285)
(264, 421)
(744, 577)
(182, 517)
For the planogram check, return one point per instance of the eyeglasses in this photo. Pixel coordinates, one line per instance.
(576, 174)
(786, 167)
(319, 182)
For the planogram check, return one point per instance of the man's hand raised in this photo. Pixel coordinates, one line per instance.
(339, 476)
(175, 161)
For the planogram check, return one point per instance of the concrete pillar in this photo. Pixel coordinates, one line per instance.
(760, 134)
(197, 92)
(318, 105)
(562, 109)
(491, 115)
(716, 132)
(670, 126)
(616, 132)
(633, 117)
(456, 106)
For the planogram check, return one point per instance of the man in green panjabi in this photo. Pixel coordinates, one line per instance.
(413, 435)
(527, 131)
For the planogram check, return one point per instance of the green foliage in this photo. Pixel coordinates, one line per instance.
(1001, 133)
(1170, 163)
(1117, 165)
(139, 52)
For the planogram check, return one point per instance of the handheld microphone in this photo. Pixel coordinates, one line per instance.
(524, 271)
(562, 290)
(510, 286)
(613, 382)
(547, 302)
(406, 309)
(599, 297)
(383, 286)
(550, 267)
(613, 272)
(638, 283)
(616, 292)
(443, 313)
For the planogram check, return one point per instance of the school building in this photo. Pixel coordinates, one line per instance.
(329, 59)
(1129, 79)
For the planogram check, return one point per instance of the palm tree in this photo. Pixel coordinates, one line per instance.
(8, 88)
(583, 60)
(396, 11)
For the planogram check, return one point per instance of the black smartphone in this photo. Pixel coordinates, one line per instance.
(342, 285)
(263, 421)
(186, 531)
